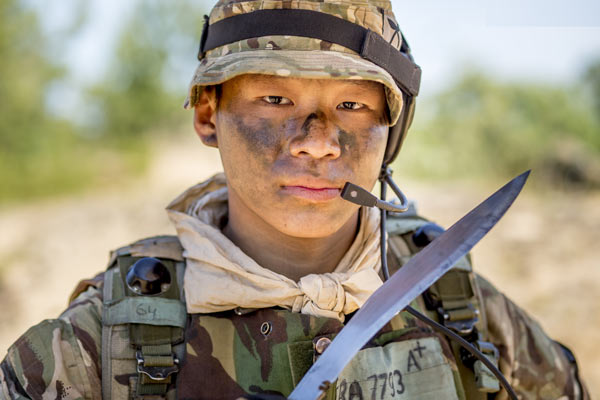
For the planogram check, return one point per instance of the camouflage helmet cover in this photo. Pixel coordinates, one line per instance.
(301, 57)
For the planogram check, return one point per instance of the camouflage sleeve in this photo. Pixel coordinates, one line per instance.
(536, 366)
(60, 358)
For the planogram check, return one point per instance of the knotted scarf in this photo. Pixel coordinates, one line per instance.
(219, 276)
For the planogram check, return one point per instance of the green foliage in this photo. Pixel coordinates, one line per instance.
(482, 128)
(135, 98)
(42, 154)
(29, 136)
(591, 82)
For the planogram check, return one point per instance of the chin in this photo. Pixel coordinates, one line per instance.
(311, 226)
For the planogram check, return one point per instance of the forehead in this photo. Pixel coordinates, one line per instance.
(266, 81)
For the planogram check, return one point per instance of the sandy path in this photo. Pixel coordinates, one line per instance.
(543, 254)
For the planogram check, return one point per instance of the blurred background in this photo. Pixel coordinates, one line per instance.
(94, 143)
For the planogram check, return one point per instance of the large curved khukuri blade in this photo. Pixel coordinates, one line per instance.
(409, 282)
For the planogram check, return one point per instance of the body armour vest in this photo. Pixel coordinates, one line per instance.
(267, 351)
(153, 349)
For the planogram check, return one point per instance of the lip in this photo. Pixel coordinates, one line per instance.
(315, 194)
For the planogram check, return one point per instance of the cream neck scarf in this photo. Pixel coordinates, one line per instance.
(220, 277)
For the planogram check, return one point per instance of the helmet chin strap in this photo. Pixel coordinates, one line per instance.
(357, 195)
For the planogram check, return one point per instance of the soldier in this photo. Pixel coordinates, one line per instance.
(269, 261)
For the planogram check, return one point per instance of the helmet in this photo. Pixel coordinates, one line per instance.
(347, 39)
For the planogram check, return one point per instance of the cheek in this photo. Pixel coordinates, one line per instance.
(363, 145)
(376, 145)
(253, 140)
(364, 151)
(377, 139)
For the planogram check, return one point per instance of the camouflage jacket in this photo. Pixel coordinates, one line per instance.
(229, 354)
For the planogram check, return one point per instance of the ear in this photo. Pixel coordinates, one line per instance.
(205, 116)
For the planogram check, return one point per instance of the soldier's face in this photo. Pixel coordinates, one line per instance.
(288, 146)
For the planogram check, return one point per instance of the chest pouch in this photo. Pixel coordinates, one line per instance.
(410, 369)
(143, 327)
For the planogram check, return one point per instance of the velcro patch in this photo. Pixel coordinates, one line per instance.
(411, 369)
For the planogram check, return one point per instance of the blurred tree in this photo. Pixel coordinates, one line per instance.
(30, 138)
(42, 154)
(139, 96)
(492, 129)
(478, 125)
(591, 81)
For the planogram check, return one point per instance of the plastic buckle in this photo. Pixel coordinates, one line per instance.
(485, 381)
(488, 349)
(156, 373)
(462, 326)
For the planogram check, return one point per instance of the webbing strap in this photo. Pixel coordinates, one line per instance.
(145, 310)
(155, 390)
(460, 312)
(158, 361)
(106, 340)
(458, 301)
(155, 350)
(313, 24)
(156, 365)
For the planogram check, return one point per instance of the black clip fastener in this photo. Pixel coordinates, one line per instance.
(461, 320)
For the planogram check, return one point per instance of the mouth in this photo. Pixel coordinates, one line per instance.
(312, 191)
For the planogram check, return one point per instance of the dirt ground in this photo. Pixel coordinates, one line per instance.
(544, 254)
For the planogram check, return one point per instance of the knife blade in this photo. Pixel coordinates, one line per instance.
(422, 271)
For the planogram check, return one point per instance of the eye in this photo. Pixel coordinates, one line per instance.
(350, 105)
(277, 100)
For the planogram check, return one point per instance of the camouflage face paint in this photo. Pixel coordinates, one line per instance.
(352, 143)
(267, 147)
(307, 123)
(260, 137)
(347, 142)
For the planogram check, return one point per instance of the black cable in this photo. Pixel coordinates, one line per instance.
(468, 346)
(401, 197)
(382, 232)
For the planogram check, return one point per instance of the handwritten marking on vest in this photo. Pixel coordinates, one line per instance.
(411, 369)
(419, 348)
(389, 383)
(146, 311)
(412, 360)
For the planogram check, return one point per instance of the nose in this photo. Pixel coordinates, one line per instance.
(318, 138)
